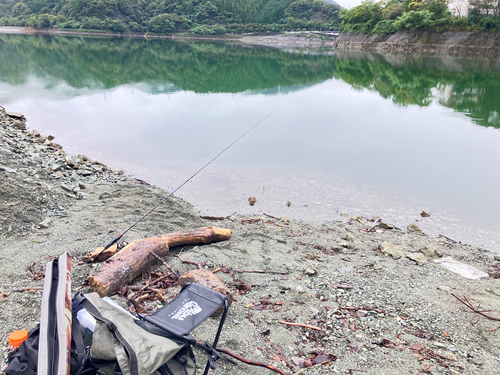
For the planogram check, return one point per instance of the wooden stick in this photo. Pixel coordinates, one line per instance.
(217, 217)
(270, 272)
(274, 217)
(253, 363)
(165, 263)
(197, 264)
(300, 325)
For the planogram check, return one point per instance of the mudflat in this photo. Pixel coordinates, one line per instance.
(378, 298)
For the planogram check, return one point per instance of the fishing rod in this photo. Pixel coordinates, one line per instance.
(184, 183)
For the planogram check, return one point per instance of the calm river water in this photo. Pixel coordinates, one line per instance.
(355, 133)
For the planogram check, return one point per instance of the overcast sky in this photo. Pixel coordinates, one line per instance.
(349, 3)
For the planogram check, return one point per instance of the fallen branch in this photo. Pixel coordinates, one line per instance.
(475, 311)
(250, 362)
(128, 263)
(300, 325)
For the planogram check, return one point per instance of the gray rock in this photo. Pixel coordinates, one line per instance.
(70, 161)
(417, 257)
(66, 188)
(310, 271)
(56, 167)
(431, 252)
(23, 218)
(21, 125)
(84, 158)
(6, 169)
(359, 218)
(425, 214)
(413, 228)
(385, 225)
(97, 168)
(350, 237)
(388, 248)
(45, 223)
(16, 115)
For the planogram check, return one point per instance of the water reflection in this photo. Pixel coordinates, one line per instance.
(356, 132)
(469, 85)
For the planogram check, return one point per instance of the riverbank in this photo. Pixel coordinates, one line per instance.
(445, 42)
(404, 41)
(382, 303)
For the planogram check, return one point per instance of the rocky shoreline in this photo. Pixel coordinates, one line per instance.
(450, 42)
(381, 301)
(406, 41)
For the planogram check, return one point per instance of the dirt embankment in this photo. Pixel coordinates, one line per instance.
(446, 42)
(381, 304)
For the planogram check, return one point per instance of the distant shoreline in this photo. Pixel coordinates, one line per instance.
(451, 42)
(275, 40)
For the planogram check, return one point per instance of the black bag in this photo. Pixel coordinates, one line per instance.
(24, 360)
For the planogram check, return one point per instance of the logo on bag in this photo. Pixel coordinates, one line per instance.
(188, 309)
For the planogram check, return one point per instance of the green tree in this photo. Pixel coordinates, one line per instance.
(161, 24)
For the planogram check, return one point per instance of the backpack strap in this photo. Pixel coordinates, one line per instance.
(134, 365)
(81, 353)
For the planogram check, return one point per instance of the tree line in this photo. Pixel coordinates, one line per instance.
(385, 17)
(169, 16)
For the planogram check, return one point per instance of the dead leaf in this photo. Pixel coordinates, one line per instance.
(417, 347)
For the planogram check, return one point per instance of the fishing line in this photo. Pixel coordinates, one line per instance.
(184, 183)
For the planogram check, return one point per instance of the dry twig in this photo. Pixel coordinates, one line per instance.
(475, 311)
(165, 263)
(197, 264)
(300, 325)
(250, 362)
(217, 217)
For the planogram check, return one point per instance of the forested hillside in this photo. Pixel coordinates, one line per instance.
(385, 17)
(168, 16)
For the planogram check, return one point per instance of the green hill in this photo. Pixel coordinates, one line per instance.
(168, 16)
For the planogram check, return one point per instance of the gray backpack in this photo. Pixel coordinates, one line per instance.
(121, 346)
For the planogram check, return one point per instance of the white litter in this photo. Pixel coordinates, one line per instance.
(462, 269)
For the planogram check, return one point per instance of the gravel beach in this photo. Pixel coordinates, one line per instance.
(378, 298)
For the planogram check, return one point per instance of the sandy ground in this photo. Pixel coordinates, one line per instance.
(377, 310)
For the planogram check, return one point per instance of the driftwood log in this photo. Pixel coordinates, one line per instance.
(128, 263)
